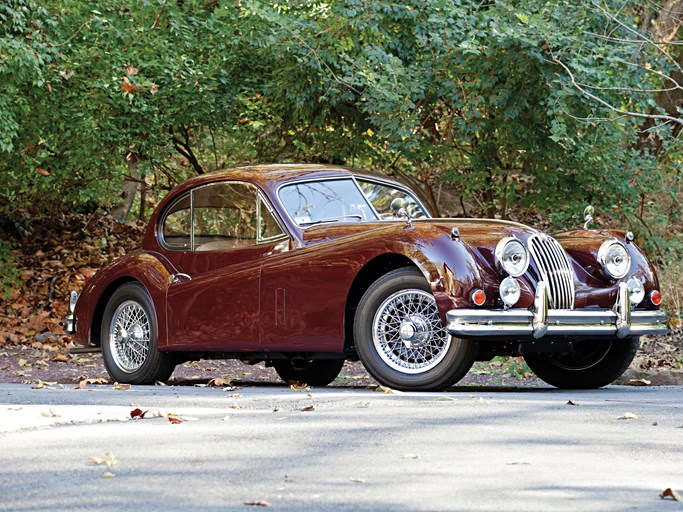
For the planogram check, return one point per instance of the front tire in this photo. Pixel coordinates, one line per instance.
(311, 372)
(593, 364)
(129, 338)
(401, 340)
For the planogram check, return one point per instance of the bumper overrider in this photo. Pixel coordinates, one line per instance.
(540, 321)
(69, 321)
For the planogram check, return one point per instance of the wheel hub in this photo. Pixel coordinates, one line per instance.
(414, 331)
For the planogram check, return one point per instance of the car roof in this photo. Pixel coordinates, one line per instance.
(273, 175)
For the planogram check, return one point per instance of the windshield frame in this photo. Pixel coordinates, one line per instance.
(354, 179)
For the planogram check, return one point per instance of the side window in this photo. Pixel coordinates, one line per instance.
(224, 216)
(382, 196)
(269, 228)
(177, 228)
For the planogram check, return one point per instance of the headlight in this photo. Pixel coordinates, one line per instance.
(614, 258)
(511, 256)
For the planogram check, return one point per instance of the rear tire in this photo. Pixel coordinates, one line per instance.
(593, 364)
(129, 338)
(312, 372)
(401, 340)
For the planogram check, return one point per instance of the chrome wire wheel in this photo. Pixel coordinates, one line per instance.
(407, 332)
(129, 336)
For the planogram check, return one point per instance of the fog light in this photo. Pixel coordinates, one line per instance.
(509, 291)
(636, 291)
(655, 297)
(478, 297)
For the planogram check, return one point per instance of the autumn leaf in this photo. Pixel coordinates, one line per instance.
(219, 382)
(670, 493)
(138, 413)
(121, 387)
(628, 416)
(108, 460)
(569, 402)
(128, 87)
(173, 420)
(42, 171)
(412, 456)
(257, 503)
(61, 358)
(638, 382)
(131, 70)
(154, 88)
(308, 408)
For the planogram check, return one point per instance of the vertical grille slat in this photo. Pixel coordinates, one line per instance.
(554, 268)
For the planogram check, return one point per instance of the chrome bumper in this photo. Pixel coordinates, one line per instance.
(540, 321)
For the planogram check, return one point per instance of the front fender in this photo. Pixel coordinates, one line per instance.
(144, 267)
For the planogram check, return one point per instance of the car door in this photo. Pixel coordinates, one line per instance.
(220, 239)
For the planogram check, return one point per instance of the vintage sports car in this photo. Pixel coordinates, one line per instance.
(306, 266)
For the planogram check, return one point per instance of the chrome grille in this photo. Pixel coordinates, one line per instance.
(554, 268)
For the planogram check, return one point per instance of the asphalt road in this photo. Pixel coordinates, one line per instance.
(339, 450)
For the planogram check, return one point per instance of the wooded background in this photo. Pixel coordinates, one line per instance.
(527, 110)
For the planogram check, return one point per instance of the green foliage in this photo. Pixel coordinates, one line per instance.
(481, 96)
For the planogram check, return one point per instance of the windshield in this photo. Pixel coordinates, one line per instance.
(325, 201)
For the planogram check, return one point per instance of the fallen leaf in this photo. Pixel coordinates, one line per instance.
(386, 391)
(121, 387)
(108, 460)
(412, 456)
(219, 382)
(518, 463)
(257, 503)
(83, 383)
(108, 474)
(638, 382)
(629, 416)
(61, 358)
(357, 480)
(49, 414)
(138, 413)
(173, 420)
(361, 405)
(42, 171)
(128, 87)
(569, 402)
(670, 493)
(41, 384)
(308, 408)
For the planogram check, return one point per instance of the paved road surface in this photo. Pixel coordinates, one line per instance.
(339, 450)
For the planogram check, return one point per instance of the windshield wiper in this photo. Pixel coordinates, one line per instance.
(331, 219)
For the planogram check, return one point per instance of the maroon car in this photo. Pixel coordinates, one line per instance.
(306, 266)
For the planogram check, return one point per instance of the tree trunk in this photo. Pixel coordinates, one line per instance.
(130, 187)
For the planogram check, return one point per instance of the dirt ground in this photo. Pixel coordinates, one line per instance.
(48, 360)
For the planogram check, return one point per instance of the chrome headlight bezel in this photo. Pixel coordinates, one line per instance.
(614, 259)
(512, 246)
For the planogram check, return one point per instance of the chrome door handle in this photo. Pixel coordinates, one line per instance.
(178, 278)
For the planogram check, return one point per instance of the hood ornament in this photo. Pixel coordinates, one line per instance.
(588, 213)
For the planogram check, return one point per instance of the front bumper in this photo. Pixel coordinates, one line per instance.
(540, 321)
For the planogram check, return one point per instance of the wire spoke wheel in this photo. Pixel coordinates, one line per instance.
(129, 336)
(407, 332)
(400, 338)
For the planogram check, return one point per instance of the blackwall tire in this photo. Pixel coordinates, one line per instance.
(129, 338)
(593, 365)
(312, 372)
(401, 340)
